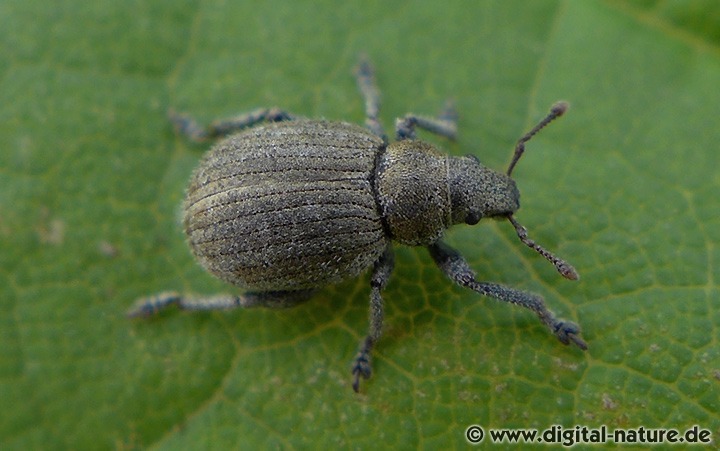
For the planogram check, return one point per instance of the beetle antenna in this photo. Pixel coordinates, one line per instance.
(556, 111)
(563, 267)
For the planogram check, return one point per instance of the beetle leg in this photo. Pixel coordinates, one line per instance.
(270, 299)
(456, 268)
(191, 128)
(365, 76)
(444, 125)
(381, 273)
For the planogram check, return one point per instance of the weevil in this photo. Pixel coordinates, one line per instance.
(283, 206)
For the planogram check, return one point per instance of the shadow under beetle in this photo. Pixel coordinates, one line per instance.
(287, 207)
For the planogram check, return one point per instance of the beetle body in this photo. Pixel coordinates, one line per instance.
(283, 206)
(287, 206)
(303, 204)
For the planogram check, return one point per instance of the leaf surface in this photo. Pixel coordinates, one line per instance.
(625, 186)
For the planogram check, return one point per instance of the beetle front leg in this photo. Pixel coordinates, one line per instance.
(444, 125)
(223, 127)
(381, 273)
(456, 268)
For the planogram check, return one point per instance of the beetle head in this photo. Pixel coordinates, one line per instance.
(478, 192)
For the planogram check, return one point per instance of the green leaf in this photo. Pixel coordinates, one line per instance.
(625, 186)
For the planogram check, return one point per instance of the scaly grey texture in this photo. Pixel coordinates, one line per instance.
(288, 207)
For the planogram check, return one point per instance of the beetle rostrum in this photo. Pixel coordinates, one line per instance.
(283, 206)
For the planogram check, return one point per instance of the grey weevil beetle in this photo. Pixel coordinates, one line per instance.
(287, 207)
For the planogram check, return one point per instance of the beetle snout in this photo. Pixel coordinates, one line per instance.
(501, 197)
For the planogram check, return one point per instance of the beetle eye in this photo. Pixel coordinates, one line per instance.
(473, 218)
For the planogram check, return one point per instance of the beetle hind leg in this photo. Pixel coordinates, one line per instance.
(192, 129)
(270, 299)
